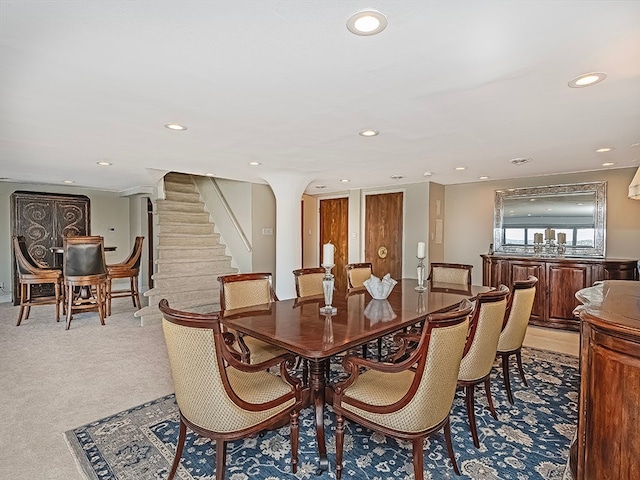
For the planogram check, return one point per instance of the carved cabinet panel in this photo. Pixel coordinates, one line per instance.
(44, 219)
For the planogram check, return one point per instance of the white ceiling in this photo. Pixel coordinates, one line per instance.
(448, 83)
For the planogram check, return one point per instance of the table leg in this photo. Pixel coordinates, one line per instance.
(317, 381)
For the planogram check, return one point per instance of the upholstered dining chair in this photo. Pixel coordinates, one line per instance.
(457, 273)
(85, 275)
(357, 273)
(480, 350)
(30, 273)
(220, 397)
(129, 268)
(309, 281)
(516, 321)
(243, 290)
(409, 400)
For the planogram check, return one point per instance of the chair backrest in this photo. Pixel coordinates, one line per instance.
(516, 319)
(25, 263)
(458, 273)
(83, 256)
(134, 258)
(436, 361)
(357, 273)
(484, 331)
(199, 377)
(309, 281)
(245, 290)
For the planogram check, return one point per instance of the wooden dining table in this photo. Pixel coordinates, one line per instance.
(297, 326)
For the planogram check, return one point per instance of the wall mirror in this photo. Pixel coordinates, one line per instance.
(578, 211)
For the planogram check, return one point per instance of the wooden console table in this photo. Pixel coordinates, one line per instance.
(608, 440)
(558, 281)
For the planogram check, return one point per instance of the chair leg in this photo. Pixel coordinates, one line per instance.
(519, 360)
(364, 351)
(471, 414)
(133, 291)
(23, 294)
(181, 438)
(28, 302)
(380, 349)
(221, 458)
(101, 298)
(69, 305)
(339, 444)
(295, 436)
(487, 391)
(109, 296)
(57, 290)
(418, 459)
(505, 376)
(447, 438)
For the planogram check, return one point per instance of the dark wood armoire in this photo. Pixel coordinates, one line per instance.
(44, 219)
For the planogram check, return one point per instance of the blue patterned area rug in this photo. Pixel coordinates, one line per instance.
(530, 440)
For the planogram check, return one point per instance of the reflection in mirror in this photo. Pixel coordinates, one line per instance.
(572, 212)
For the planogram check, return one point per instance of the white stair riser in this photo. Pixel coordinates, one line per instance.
(213, 253)
(166, 206)
(182, 196)
(177, 217)
(195, 229)
(212, 240)
(178, 268)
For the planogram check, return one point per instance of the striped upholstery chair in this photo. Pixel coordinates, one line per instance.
(309, 281)
(515, 325)
(409, 400)
(457, 273)
(243, 291)
(480, 350)
(220, 397)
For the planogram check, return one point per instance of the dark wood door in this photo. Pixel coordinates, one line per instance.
(43, 219)
(563, 282)
(383, 233)
(522, 271)
(334, 228)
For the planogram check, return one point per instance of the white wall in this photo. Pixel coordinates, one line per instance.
(263, 215)
(108, 209)
(469, 214)
(310, 234)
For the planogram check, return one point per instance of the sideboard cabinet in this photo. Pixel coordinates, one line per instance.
(558, 281)
(44, 219)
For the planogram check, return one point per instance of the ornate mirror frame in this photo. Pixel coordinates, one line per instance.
(599, 216)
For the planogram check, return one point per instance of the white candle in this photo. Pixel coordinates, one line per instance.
(547, 234)
(552, 235)
(562, 237)
(327, 254)
(421, 250)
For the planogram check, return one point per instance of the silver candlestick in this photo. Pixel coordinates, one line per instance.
(327, 288)
(420, 269)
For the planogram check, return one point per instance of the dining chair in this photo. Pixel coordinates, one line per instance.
(85, 275)
(410, 400)
(516, 321)
(243, 290)
(31, 273)
(129, 268)
(480, 350)
(357, 273)
(220, 397)
(458, 273)
(309, 281)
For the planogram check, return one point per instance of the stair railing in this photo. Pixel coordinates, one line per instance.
(230, 213)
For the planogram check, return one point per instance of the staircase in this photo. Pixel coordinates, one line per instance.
(190, 255)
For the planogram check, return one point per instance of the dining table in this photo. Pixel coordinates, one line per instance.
(298, 326)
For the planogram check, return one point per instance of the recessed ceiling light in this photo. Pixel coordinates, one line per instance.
(461, 168)
(367, 22)
(209, 174)
(549, 209)
(587, 79)
(68, 181)
(608, 164)
(427, 174)
(254, 164)
(368, 133)
(483, 177)
(532, 199)
(345, 180)
(175, 126)
(604, 149)
(397, 177)
(321, 186)
(520, 160)
(637, 144)
(104, 164)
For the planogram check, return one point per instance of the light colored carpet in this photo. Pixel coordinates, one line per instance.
(52, 380)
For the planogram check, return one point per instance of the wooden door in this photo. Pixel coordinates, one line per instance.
(522, 271)
(383, 233)
(334, 228)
